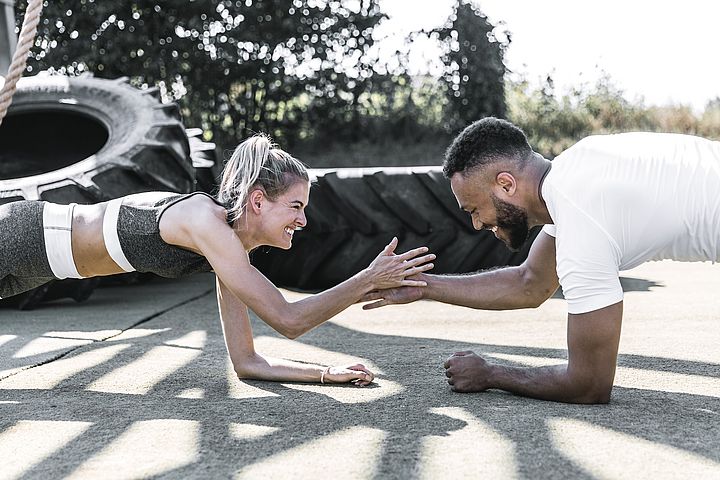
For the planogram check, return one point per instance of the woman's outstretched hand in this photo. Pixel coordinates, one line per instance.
(357, 374)
(389, 270)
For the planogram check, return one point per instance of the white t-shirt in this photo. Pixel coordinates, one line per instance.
(617, 201)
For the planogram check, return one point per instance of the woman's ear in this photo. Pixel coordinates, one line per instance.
(256, 200)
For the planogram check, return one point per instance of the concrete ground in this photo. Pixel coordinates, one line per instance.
(135, 383)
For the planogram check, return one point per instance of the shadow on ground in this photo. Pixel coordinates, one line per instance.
(157, 401)
(628, 284)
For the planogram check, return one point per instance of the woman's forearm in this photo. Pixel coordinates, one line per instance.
(313, 310)
(386, 271)
(259, 367)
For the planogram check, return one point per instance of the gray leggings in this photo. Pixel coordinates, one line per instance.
(23, 261)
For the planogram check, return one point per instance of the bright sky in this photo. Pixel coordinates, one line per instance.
(667, 52)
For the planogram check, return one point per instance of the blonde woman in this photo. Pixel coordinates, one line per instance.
(261, 201)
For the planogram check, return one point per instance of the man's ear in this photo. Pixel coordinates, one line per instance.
(505, 182)
(255, 200)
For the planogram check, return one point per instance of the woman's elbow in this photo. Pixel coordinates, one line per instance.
(292, 334)
(290, 329)
(247, 367)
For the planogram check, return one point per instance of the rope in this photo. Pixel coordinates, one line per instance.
(19, 60)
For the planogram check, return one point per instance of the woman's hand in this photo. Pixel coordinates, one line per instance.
(389, 270)
(357, 374)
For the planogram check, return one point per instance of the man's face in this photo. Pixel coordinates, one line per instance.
(475, 195)
(512, 221)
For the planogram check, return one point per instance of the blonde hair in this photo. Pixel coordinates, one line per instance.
(258, 162)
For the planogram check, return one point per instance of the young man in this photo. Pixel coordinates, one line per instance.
(609, 203)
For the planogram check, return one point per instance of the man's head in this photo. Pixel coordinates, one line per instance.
(486, 142)
(486, 165)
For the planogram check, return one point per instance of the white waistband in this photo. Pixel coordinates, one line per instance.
(57, 230)
(110, 235)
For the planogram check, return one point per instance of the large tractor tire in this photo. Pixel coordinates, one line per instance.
(354, 213)
(87, 140)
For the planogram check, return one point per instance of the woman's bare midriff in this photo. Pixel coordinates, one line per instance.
(88, 246)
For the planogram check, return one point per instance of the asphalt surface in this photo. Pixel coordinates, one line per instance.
(135, 383)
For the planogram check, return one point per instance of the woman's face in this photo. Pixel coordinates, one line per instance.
(282, 216)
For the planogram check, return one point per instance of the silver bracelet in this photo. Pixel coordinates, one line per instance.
(322, 375)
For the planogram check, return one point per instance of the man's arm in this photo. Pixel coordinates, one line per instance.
(524, 286)
(588, 376)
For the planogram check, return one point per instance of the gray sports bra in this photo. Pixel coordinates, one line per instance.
(139, 234)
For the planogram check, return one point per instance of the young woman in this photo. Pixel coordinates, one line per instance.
(262, 198)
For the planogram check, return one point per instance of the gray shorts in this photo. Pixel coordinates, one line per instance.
(23, 260)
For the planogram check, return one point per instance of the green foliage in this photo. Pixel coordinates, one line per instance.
(474, 69)
(710, 120)
(306, 72)
(236, 66)
(301, 70)
(554, 122)
(551, 124)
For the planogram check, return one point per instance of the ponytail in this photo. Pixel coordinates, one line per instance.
(257, 162)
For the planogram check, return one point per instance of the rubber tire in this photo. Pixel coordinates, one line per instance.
(147, 147)
(354, 213)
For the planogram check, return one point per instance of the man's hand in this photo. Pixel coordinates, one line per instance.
(392, 296)
(468, 372)
(593, 339)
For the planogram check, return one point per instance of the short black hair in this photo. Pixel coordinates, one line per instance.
(485, 142)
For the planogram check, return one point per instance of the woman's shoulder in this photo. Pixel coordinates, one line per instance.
(199, 209)
(189, 218)
(147, 199)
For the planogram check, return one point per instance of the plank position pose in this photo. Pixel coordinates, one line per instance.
(608, 203)
(262, 199)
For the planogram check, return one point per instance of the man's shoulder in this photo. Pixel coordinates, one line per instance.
(630, 144)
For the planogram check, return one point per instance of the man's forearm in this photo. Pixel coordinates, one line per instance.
(499, 289)
(547, 383)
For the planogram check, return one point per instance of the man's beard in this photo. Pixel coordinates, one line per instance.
(512, 220)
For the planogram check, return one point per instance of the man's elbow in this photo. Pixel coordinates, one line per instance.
(593, 393)
(535, 295)
(534, 292)
(595, 397)
(534, 298)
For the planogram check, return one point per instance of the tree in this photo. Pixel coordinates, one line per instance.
(235, 66)
(474, 69)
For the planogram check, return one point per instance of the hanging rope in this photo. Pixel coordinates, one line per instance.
(19, 60)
